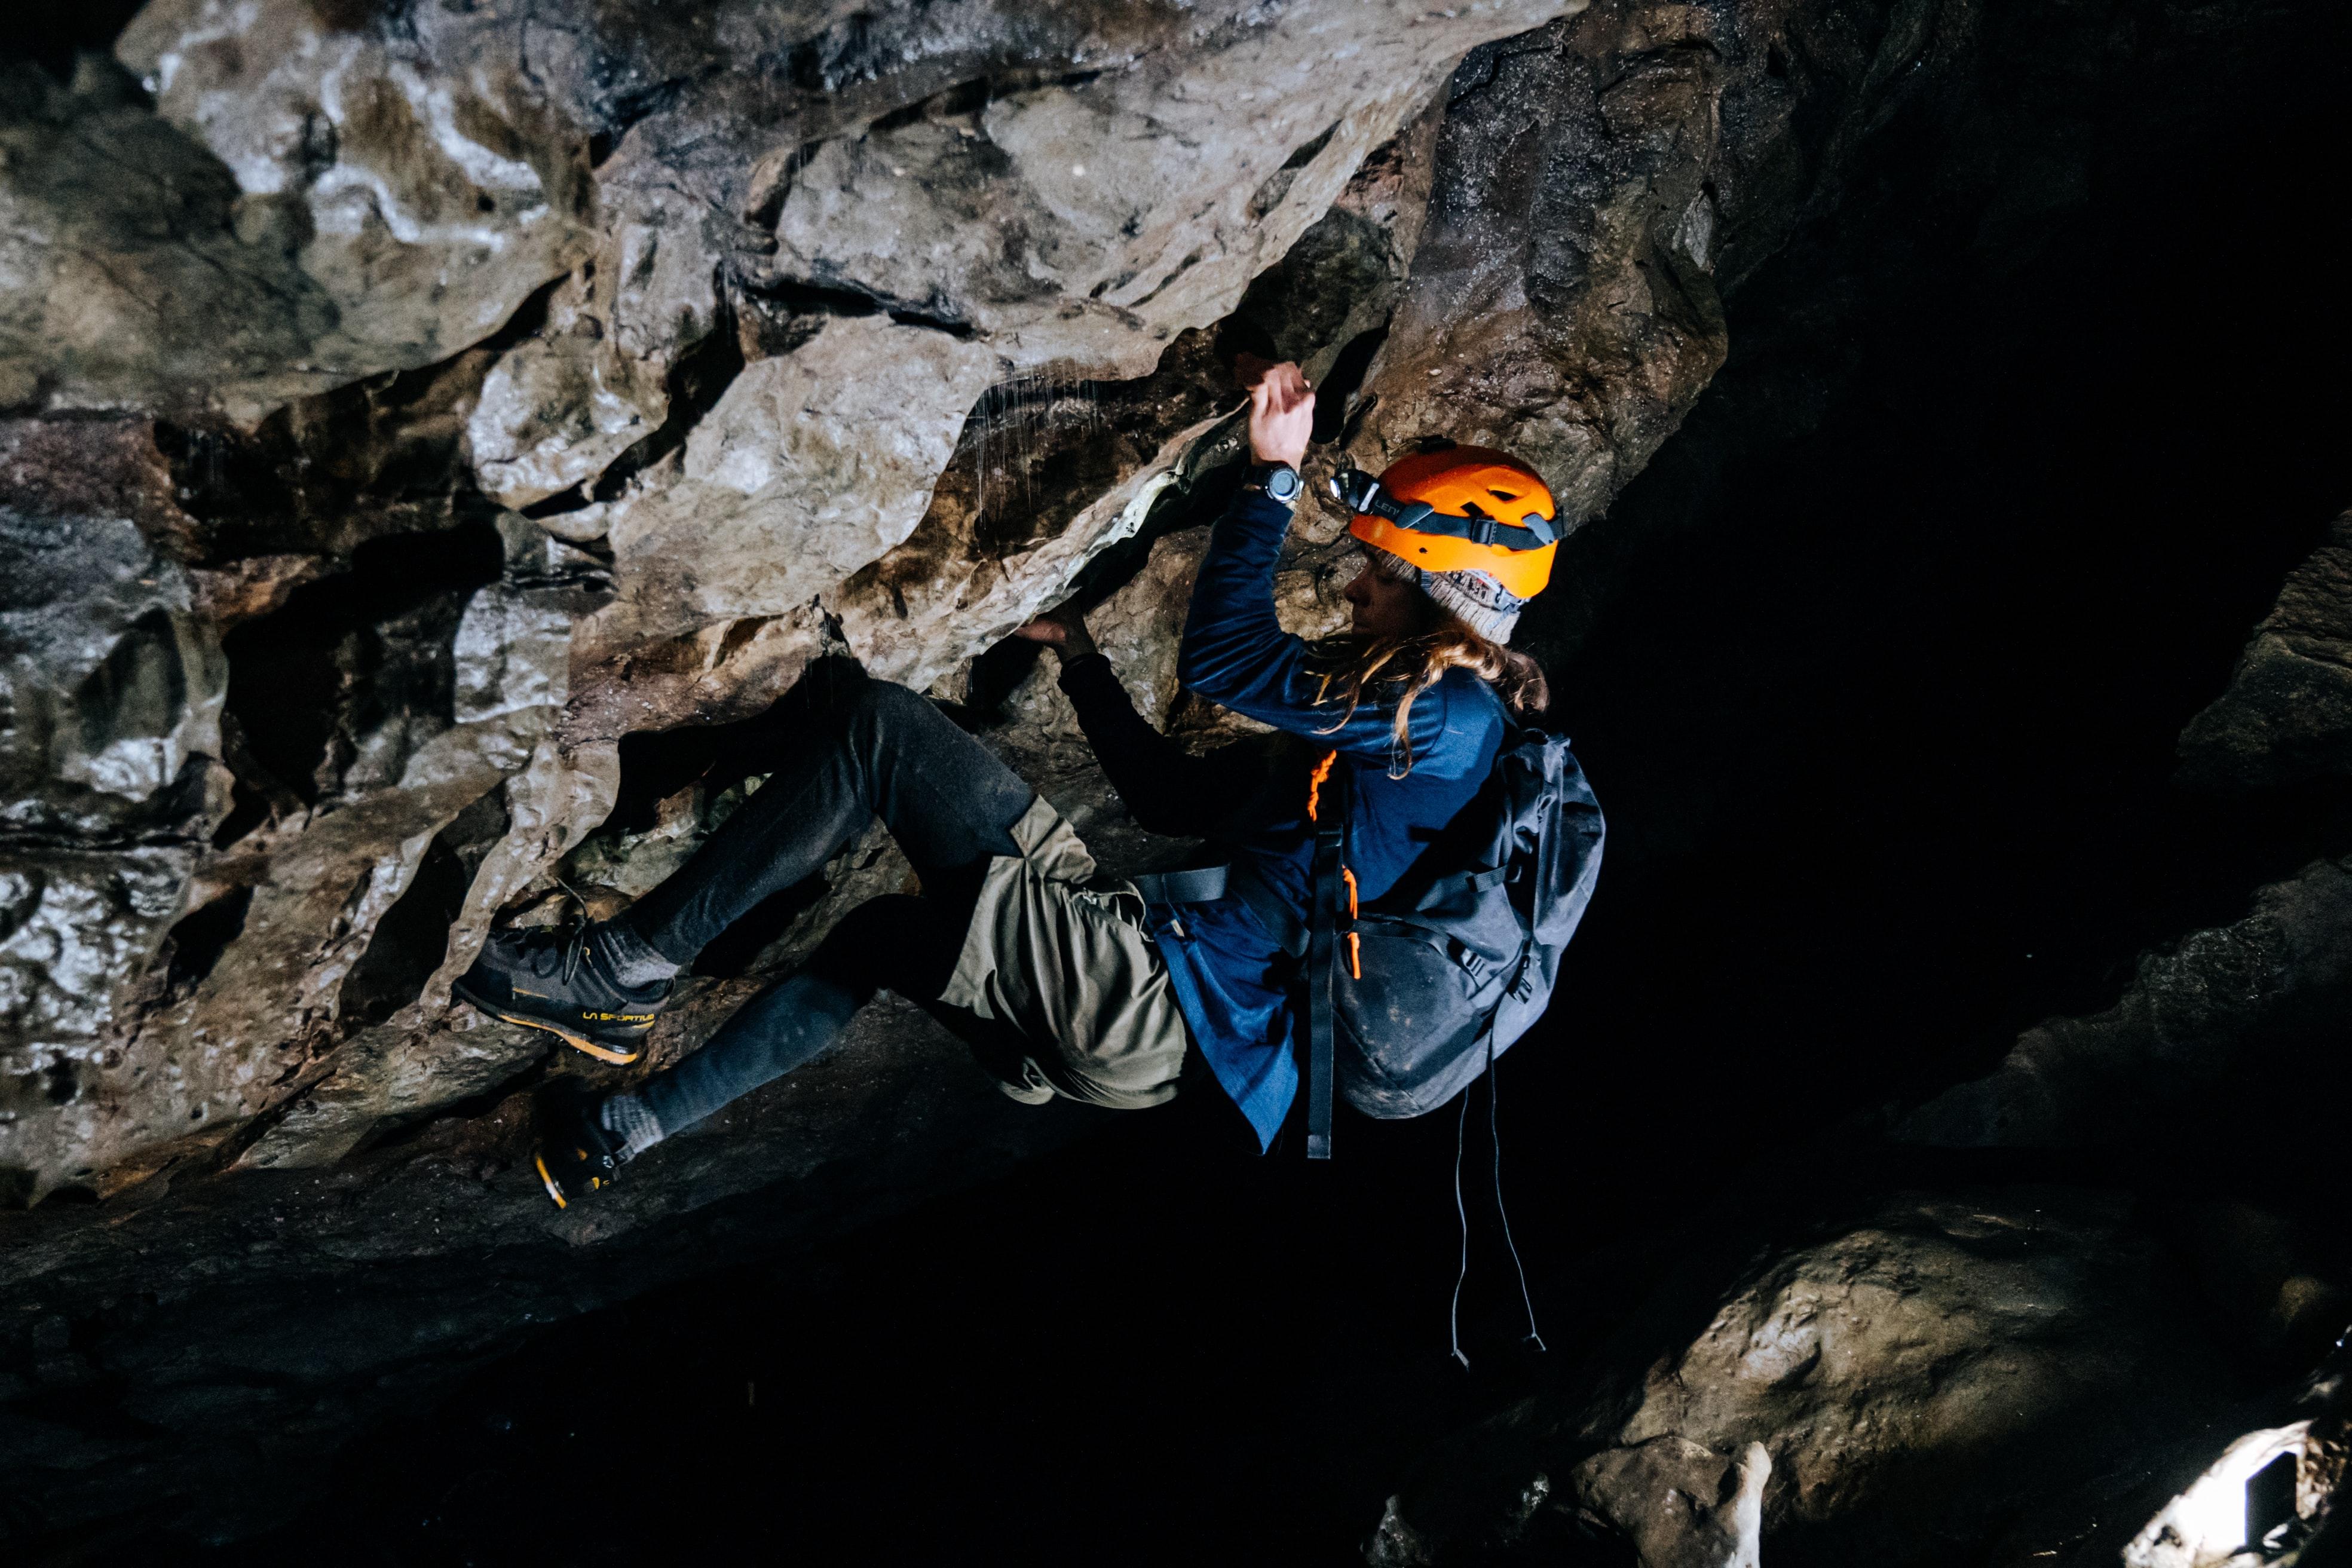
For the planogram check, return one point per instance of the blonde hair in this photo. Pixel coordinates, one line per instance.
(1410, 665)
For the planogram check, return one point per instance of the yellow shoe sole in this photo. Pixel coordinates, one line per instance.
(548, 1182)
(578, 1043)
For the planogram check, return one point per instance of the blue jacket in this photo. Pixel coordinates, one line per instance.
(1232, 978)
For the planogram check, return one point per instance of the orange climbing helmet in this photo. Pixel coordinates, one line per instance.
(1458, 509)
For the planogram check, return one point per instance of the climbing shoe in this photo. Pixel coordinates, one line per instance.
(560, 981)
(576, 1153)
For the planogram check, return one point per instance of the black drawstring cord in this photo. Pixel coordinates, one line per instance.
(1494, 1136)
(1494, 1132)
(1454, 1315)
(576, 945)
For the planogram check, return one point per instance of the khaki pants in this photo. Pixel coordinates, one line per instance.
(1071, 968)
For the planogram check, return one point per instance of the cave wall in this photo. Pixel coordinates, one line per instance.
(702, 344)
(712, 296)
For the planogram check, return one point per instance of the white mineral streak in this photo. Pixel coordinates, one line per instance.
(427, 213)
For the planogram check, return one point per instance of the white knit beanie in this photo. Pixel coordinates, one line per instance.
(1474, 598)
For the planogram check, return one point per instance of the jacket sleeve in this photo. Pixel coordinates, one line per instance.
(1167, 789)
(1236, 654)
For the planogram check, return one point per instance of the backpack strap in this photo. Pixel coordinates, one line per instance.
(1330, 811)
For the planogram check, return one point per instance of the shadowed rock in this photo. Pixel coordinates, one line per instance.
(2261, 1001)
(2287, 716)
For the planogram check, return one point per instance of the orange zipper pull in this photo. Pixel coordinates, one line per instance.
(1355, 957)
(1344, 871)
(1315, 781)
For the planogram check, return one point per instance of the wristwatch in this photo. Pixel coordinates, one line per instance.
(1279, 480)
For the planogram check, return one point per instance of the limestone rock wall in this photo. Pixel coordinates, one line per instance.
(492, 412)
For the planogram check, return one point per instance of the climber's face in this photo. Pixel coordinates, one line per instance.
(1382, 605)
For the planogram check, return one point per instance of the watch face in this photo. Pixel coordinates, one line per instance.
(1282, 484)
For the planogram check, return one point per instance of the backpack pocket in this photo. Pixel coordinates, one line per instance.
(1413, 1025)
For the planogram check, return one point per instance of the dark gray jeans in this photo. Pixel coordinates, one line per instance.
(850, 749)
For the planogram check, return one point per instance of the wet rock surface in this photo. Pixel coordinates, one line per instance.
(434, 430)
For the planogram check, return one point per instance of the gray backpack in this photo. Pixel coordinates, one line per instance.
(1412, 996)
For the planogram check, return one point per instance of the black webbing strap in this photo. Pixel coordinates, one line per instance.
(1330, 900)
(1359, 491)
(1235, 879)
(1200, 885)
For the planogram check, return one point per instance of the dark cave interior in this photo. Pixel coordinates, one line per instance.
(1883, 711)
(51, 36)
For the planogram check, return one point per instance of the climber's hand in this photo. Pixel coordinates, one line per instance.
(1064, 630)
(1282, 415)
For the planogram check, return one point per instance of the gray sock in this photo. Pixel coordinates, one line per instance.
(630, 958)
(633, 1119)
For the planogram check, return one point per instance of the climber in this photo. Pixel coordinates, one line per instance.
(1062, 985)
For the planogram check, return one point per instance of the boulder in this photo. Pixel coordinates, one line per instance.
(1937, 1376)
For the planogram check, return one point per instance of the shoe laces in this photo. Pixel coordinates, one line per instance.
(562, 956)
(575, 949)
